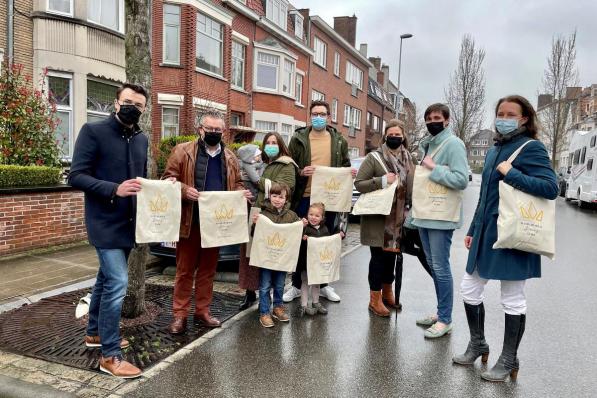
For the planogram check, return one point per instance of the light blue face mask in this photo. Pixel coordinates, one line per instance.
(506, 126)
(318, 122)
(271, 150)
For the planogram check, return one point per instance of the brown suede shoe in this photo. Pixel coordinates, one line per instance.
(178, 325)
(206, 320)
(280, 314)
(95, 342)
(118, 367)
(266, 321)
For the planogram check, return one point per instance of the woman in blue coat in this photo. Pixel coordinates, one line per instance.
(530, 172)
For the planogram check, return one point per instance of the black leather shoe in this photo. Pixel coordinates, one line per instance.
(249, 300)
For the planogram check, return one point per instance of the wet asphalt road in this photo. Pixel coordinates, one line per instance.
(350, 353)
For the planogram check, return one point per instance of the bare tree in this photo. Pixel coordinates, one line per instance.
(414, 127)
(138, 70)
(560, 74)
(465, 94)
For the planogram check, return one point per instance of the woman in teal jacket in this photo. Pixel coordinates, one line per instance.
(530, 172)
(450, 169)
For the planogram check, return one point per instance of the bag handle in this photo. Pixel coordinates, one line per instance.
(517, 152)
(376, 156)
(440, 147)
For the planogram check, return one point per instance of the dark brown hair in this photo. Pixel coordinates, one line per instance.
(281, 144)
(439, 107)
(135, 87)
(528, 111)
(319, 103)
(278, 187)
(396, 123)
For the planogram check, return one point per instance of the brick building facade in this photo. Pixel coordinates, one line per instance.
(22, 36)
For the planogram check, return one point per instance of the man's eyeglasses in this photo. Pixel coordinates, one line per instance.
(209, 130)
(137, 105)
(320, 114)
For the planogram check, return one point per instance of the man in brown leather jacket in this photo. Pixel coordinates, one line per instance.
(201, 165)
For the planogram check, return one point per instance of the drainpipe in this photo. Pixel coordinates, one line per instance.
(10, 32)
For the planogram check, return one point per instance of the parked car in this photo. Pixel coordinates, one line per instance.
(581, 186)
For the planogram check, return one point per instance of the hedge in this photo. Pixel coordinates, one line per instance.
(26, 176)
(166, 144)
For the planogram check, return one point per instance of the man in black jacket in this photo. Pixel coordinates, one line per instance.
(108, 157)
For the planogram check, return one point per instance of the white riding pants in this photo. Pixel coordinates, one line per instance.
(513, 298)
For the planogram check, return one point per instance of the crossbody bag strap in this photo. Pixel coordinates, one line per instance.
(517, 152)
(378, 158)
(432, 155)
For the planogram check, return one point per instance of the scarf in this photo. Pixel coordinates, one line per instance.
(502, 139)
(400, 164)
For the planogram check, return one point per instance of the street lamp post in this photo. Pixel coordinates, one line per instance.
(403, 36)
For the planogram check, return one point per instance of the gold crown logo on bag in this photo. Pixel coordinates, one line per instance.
(332, 185)
(276, 241)
(531, 213)
(223, 213)
(432, 187)
(326, 255)
(159, 204)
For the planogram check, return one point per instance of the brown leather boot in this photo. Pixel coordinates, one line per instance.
(388, 298)
(207, 320)
(178, 325)
(118, 367)
(376, 304)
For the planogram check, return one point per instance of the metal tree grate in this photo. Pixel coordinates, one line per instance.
(48, 330)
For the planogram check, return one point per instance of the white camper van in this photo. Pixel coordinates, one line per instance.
(582, 183)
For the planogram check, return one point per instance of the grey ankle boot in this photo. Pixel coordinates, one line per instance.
(507, 364)
(477, 346)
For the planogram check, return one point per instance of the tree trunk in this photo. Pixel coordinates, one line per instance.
(138, 71)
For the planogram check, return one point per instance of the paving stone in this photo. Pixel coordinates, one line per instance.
(66, 385)
(66, 372)
(39, 377)
(93, 392)
(14, 372)
(106, 382)
(8, 358)
(30, 363)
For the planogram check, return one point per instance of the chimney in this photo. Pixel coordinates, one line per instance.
(376, 61)
(304, 12)
(380, 77)
(363, 50)
(347, 28)
(544, 99)
(386, 75)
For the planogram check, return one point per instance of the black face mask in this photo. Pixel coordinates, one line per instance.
(394, 142)
(212, 139)
(129, 114)
(435, 128)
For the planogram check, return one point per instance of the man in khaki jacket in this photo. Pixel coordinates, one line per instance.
(201, 165)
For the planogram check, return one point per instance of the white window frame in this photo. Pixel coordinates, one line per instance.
(335, 110)
(354, 152)
(64, 108)
(298, 25)
(282, 58)
(375, 126)
(67, 14)
(352, 117)
(354, 75)
(281, 19)
(369, 117)
(260, 136)
(298, 90)
(242, 62)
(317, 96)
(164, 60)
(337, 64)
(120, 17)
(321, 52)
(96, 113)
(288, 74)
(221, 40)
(177, 116)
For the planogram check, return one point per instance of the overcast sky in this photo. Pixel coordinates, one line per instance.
(516, 35)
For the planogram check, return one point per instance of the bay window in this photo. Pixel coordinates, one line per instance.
(108, 13)
(100, 100)
(267, 70)
(275, 72)
(63, 7)
(60, 93)
(287, 77)
(299, 89)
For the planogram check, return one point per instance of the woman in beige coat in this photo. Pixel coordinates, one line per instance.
(383, 233)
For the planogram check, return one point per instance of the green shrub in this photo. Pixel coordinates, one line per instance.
(26, 176)
(166, 144)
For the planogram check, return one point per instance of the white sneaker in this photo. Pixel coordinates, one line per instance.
(291, 294)
(329, 293)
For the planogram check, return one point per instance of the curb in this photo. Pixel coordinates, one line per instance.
(15, 388)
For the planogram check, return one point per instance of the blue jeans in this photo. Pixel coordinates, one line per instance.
(436, 244)
(106, 299)
(269, 279)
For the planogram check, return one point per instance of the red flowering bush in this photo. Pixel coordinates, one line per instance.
(27, 122)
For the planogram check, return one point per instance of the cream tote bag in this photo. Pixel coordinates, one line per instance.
(223, 218)
(432, 201)
(276, 246)
(332, 186)
(525, 222)
(379, 201)
(158, 211)
(323, 259)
